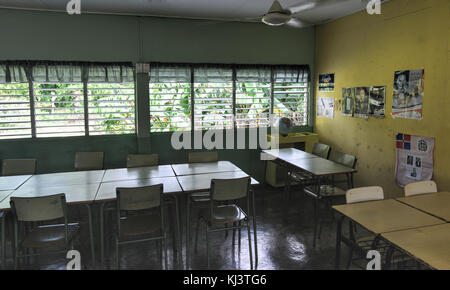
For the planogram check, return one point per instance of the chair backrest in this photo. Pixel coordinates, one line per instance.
(139, 198)
(344, 159)
(197, 157)
(229, 189)
(89, 160)
(141, 160)
(362, 194)
(421, 187)
(43, 208)
(18, 167)
(321, 150)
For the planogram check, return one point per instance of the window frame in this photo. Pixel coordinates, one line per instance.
(308, 119)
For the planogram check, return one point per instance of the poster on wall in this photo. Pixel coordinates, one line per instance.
(408, 94)
(414, 160)
(326, 83)
(377, 98)
(325, 107)
(362, 102)
(348, 101)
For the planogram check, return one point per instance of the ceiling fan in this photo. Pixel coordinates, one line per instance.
(277, 15)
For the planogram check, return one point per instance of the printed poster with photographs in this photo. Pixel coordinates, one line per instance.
(325, 107)
(376, 101)
(348, 101)
(408, 94)
(414, 159)
(362, 102)
(326, 83)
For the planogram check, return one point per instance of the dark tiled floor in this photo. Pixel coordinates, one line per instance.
(284, 227)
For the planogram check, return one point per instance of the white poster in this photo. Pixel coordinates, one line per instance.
(414, 159)
(325, 107)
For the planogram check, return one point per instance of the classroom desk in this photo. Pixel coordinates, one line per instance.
(289, 154)
(78, 194)
(381, 216)
(12, 182)
(436, 204)
(107, 193)
(64, 178)
(204, 167)
(319, 168)
(201, 183)
(4, 206)
(430, 245)
(138, 173)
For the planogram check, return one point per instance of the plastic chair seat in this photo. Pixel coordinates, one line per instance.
(225, 214)
(140, 225)
(49, 236)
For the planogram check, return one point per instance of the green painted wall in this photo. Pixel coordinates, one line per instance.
(32, 35)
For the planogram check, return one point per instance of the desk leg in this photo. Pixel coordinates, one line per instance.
(188, 219)
(178, 233)
(254, 229)
(102, 233)
(2, 217)
(91, 233)
(338, 242)
(316, 211)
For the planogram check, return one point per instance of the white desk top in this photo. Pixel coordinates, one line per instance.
(12, 182)
(64, 178)
(107, 190)
(206, 167)
(138, 173)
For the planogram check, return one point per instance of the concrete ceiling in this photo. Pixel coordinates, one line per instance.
(226, 10)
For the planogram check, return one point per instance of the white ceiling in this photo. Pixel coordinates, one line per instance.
(232, 10)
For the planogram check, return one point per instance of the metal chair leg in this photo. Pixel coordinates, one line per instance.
(250, 245)
(207, 247)
(196, 234)
(166, 267)
(117, 253)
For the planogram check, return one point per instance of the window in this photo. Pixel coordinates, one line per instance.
(213, 98)
(170, 107)
(225, 96)
(290, 100)
(111, 108)
(213, 106)
(253, 97)
(15, 120)
(59, 109)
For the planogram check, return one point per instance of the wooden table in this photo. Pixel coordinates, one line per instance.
(80, 187)
(64, 178)
(138, 173)
(436, 204)
(201, 183)
(107, 193)
(289, 154)
(75, 194)
(4, 206)
(205, 167)
(379, 217)
(12, 182)
(430, 245)
(320, 166)
(107, 190)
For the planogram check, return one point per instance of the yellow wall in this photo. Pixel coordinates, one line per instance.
(366, 50)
